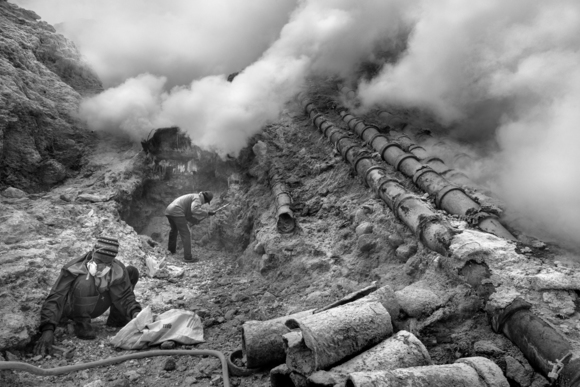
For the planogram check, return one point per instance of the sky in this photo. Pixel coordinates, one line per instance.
(500, 75)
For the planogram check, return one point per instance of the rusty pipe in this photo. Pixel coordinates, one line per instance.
(285, 221)
(547, 350)
(427, 175)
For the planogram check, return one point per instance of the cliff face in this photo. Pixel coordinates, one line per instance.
(42, 79)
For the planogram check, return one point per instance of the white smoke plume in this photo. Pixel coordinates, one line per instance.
(509, 72)
(181, 40)
(503, 75)
(179, 74)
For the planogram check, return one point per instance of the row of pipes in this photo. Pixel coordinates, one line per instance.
(449, 197)
(547, 349)
(430, 228)
(407, 135)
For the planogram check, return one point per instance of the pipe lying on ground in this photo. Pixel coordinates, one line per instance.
(284, 215)
(448, 197)
(433, 231)
(402, 350)
(333, 335)
(500, 275)
(349, 298)
(544, 347)
(467, 372)
(262, 342)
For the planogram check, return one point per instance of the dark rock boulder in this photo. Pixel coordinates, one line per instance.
(42, 78)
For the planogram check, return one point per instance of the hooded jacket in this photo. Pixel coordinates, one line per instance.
(117, 285)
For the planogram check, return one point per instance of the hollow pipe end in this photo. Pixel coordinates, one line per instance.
(500, 316)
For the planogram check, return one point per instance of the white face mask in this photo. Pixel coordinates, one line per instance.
(92, 266)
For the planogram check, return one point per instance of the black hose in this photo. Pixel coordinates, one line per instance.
(16, 365)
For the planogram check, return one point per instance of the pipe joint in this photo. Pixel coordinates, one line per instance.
(444, 191)
(423, 170)
(500, 317)
(387, 146)
(317, 115)
(374, 136)
(402, 158)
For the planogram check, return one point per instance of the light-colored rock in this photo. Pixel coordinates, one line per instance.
(561, 301)
(404, 252)
(12, 192)
(364, 228)
(417, 301)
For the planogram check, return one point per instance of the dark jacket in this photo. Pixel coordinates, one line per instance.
(189, 206)
(119, 290)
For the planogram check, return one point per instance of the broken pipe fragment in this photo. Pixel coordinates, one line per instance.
(333, 335)
(262, 343)
(284, 215)
(467, 372)
(402, 350)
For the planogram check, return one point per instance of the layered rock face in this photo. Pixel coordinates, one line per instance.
(42, 80)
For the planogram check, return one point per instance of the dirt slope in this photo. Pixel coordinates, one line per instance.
(263, 275)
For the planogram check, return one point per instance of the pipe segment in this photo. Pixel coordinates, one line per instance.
(449, 197)
(466, 372)
(547, 350)
(285, 217)
(434, 232)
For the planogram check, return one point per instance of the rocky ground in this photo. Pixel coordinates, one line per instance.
(85, 185)
(345, 239)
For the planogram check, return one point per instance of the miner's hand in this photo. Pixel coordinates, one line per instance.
(44, 344)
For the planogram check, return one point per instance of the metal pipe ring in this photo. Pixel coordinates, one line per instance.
(402, 158)
(363, 156)
(434, 158)
(316, 116)
(415, 146)
(425, 169)
(373, 168)
(374, 136)
(346, 149)
(444, 191)
(388, 145)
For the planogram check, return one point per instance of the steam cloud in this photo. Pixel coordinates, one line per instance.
(508, 71)
(505, 73)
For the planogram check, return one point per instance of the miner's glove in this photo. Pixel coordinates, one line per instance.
(211, 213)
(44, 344)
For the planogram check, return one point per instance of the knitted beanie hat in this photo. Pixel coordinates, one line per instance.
(106, 248)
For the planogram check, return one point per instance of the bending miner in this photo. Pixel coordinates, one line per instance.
(86, 288)
(184, 209)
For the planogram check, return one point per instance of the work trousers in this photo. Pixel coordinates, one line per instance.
(179, 224)
(85, 302)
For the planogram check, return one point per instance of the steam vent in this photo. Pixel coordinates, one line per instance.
(295, 194)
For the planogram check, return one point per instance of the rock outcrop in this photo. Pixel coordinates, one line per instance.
(42, 81)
